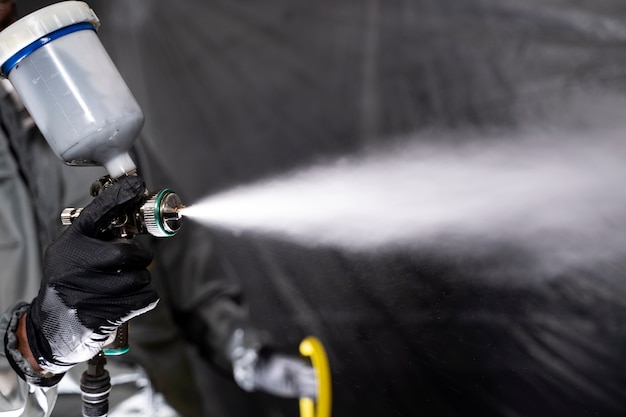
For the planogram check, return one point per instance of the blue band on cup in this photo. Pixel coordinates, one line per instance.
(10, 63)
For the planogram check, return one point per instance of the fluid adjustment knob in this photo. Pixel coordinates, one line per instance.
(161, 213)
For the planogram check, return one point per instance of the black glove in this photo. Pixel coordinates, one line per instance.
(271, 372)
(91, 286)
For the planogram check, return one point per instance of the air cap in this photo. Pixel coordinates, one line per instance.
(37, 25)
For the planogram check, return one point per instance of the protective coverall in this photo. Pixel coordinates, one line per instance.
(20, 252)
(32, 183)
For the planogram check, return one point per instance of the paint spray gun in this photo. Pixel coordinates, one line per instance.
(84, 109)
(158, 214)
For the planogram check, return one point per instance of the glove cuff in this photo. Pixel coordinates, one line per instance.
(40, 347)
(244, 359)
(20, 365)
(244, 369)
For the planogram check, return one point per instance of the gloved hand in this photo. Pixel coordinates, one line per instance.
(91, 286)
(271, 372)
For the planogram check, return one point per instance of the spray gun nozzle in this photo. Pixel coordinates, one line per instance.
(174, 213)
(161, 213)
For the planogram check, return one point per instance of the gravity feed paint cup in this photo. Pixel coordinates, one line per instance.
(70, 86)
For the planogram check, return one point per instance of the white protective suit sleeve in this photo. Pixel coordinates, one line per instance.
(17, 397)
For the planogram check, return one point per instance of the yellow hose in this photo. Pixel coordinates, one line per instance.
(311, 347)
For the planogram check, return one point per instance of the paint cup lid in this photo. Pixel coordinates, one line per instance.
(40, 23)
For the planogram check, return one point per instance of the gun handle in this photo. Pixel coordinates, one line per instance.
(120, 345)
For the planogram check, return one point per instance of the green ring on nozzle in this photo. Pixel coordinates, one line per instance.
(157, 210)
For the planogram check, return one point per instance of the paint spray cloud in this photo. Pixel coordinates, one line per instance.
(540, 191)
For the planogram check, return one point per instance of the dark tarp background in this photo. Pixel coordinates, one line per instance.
(238, 90)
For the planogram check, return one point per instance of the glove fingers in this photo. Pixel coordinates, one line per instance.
(106, 285)
(121, 255)
(285, 376)
(104, 311)
(301, 377)
(97, 269)
(307, 383)
(110, 204)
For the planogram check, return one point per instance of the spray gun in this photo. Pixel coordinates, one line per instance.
(85, 111)
(157, 215)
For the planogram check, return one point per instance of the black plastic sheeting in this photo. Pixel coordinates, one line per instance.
(238, 90)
